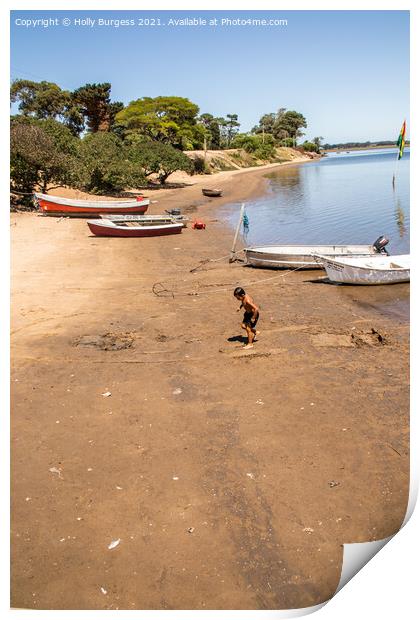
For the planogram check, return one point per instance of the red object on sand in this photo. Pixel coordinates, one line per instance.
(198, 225)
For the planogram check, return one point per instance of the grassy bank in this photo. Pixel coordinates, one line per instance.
(237, 159)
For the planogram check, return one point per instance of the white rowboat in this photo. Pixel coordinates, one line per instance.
(292, 256)
(57, 205)
(163, 219)
(377, 269)
(151, 228)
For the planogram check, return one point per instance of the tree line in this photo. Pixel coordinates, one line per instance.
(84, 140)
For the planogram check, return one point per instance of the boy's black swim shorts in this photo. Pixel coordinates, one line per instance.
(248, 320)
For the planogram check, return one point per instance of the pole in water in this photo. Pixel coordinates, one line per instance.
(394, 176)
(238, 226)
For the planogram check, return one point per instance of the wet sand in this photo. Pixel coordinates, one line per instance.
(230, 479)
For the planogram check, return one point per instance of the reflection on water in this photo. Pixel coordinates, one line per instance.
(346, 198)
(400, 218)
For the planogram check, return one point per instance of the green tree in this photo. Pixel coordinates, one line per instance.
(262, 147)
(267, 123)
(73, 118)
(291, 122)
(106, 165)
(310, 146)
(157, 158)
(229, 128)
(94, 101)
(212, 126)
(317, 141)
(281, 125)
(45, 100)
(113, 109)
(39, 99)
(171, 120)
(42, 153)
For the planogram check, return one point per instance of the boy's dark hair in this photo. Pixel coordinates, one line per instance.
(239, 291)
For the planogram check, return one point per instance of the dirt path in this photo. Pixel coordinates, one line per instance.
(229, 480)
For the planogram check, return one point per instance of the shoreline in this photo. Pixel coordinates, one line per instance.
(189, 187)
(201, 450)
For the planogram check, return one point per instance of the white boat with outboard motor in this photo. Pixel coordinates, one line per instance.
(302, 256)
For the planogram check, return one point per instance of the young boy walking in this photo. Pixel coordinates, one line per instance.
(251, 315)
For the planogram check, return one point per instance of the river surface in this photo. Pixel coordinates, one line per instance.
(341, 198)
(345, 197)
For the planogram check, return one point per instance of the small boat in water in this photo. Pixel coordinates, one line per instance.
(133, 228)
(378, 269)
(293, 256)
(56, 205)
(212, 193)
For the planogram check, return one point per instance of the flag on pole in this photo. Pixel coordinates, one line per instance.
(401, 141)
(245, 224)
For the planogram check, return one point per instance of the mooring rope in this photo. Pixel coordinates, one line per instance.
(211, 260)
(160, 289)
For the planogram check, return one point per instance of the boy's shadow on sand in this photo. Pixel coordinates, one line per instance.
(238, 339)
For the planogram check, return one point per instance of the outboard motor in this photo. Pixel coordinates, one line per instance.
(380, 244)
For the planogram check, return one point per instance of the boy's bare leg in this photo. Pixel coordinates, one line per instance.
(251, 336)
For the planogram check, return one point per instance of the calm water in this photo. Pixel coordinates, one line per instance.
(342, 198)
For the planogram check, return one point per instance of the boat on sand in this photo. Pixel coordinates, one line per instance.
(293, 256)
(56, 205)
(212, 193)
(136, 228)
(159, 218)
(377, 269)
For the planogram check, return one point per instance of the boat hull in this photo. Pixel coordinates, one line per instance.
(112, 229)
(52, 205)
(341, 273)
(161, 219)
(212, 193)
(292, 257)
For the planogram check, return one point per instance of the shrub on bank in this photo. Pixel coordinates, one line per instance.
(158, 159)
(311, 147)
(105, 165)
(289, 142)
(199, 165)
(42, 153)
(265, 151)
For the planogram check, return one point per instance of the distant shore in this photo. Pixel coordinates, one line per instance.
(364, 148)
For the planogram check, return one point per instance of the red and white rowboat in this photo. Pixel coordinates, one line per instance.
(146, 228)
(55, 205)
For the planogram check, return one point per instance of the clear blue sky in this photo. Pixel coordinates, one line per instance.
(346, 71)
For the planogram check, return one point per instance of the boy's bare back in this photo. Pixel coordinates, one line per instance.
(249, 304)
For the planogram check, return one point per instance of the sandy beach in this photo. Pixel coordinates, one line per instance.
(157, 465)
